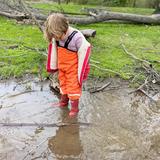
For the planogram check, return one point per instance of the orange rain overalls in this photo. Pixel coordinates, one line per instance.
(73, 67)
(68, 72)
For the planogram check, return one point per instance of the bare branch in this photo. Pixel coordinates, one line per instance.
(105, 69)
(133, 56)
(101, 88)
(43, 124)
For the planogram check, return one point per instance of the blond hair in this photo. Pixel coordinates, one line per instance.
(55, 26)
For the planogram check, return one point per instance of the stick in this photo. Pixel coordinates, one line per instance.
(141, 86)
(15, 56)
(10, 47)
(145, 93)
(101, 88)
(133, 56)
(49, 125)
(105, 69)
(92, 60)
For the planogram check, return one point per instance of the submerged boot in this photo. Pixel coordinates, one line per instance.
(63, 101)
(74, 108)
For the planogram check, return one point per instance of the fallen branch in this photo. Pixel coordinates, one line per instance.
(92, 60)
(107, 16)
(105, 69)
(145, 93)
(133, 56)
(101, 88)
(99, 16)
(15, 56)
(141, 86)
(43, 124)
(148, 81)
(18, 94)
(9, 47)
(19, 16)
(88, 33)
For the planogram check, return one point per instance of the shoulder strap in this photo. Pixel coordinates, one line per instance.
(69, 39)
(57, 43)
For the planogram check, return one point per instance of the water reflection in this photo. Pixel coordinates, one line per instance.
(66, 143)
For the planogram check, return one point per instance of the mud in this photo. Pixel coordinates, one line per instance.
(122, 126)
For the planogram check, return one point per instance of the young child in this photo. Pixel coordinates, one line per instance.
(68, 53)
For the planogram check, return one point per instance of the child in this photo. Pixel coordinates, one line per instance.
(68, 52)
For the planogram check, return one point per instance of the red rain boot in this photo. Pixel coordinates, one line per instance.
(74, 108)
(63, 101)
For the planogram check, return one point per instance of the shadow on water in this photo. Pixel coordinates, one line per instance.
(124, 126)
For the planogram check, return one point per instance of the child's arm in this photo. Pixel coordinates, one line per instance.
(83, 58)
(52, 57)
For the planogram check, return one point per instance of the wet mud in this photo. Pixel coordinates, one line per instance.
(111, 125)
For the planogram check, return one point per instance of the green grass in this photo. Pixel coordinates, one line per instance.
(20, 60)
(141, 40)
(142, 11)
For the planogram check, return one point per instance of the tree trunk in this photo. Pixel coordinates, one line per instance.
(157, 7)
(134, 3)
(107, 16)
(157, 4)
(67, 1)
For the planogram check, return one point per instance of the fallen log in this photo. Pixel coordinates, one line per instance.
(101, 17)
(18, 16)
(107, 16)
(88, 33)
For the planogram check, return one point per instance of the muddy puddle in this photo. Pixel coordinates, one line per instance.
(112, 125)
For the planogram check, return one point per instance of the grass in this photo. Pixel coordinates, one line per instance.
(74, 8)
(20, 60)
(141, 40)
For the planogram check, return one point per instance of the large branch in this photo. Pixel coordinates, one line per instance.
(103, 16)
(18, 16)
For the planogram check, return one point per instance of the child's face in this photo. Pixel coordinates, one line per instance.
(60, 37)
(57, 38)
(63, 36)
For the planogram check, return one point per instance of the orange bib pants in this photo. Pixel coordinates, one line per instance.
(68, 73)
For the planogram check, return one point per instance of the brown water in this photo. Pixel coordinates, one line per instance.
(123, 126)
